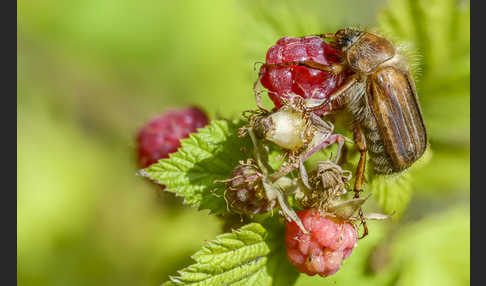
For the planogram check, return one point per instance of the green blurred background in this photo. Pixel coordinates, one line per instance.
(92, 72)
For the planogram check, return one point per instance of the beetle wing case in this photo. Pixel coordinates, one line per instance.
(393, 102)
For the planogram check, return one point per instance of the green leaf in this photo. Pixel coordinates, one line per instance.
(206, 156)
(248, 256)
(393, 192)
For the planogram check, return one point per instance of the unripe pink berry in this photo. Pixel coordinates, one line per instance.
(321, 251)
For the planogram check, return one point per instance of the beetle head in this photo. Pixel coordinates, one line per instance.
(346, 37)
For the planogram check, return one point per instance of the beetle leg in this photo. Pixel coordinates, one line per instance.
(327, 36)
(358, 183)
(332, 37)
(320, 124)
(332, 68)
(350, 81)
(325, 126)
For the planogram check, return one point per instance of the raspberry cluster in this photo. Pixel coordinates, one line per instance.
(321, 251)
(244, 191)
(317, 241)
(162, 134)
(283, 81)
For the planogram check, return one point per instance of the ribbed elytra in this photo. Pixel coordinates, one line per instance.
(394, 106)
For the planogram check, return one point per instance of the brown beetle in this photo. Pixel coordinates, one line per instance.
(381, 95)
(382, 98)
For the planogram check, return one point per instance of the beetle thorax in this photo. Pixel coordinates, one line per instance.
(368, 52)
(398, 61)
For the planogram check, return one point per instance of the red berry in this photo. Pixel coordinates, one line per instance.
(244, 191)
(161, 135)
(281, 82)
(321, 251)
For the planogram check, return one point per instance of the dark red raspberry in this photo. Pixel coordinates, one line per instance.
(330, 240)
(244, 191)
(161, 135)
(306, 82)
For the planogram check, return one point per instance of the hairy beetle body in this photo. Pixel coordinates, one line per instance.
(383, 99)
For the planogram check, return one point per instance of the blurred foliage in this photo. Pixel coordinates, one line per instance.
(92, 72)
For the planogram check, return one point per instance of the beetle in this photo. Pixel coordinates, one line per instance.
(382, 98)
